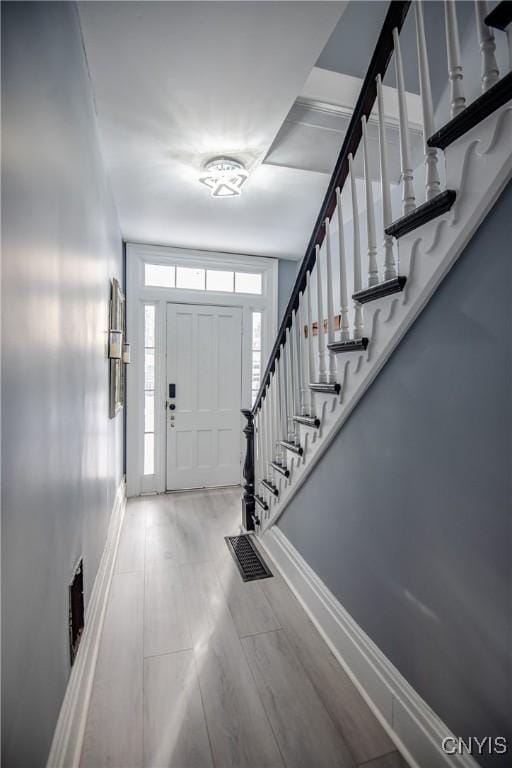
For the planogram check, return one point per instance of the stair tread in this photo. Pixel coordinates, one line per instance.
(308, 421)
(422, 214)
(261, 501)
(378, 291)
(351, 345)
(293, 447)
(500, 16)
(474, 113)
(270, 487)
(281, 468)
(330, 388)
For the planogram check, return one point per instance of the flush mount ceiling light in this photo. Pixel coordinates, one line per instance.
(224, 176)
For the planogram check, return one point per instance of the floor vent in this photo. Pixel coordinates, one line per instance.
(250, 563)
(76, 611)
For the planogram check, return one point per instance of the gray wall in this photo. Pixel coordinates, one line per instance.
(408, 518)
(287, 272)
(61, 457)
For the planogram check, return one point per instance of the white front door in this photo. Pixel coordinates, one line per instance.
(204, 373)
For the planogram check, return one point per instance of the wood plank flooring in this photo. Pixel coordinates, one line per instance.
(197, 669)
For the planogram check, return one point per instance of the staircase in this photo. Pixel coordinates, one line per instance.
(329, 350)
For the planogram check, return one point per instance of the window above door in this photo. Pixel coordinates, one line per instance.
(200, 279)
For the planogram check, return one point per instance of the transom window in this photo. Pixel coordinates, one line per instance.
(199, 279)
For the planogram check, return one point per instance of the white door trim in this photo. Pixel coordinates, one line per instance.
(137, 294)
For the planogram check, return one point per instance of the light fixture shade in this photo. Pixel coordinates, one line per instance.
(224, 176)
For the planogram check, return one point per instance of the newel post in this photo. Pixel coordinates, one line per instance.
(248, 503)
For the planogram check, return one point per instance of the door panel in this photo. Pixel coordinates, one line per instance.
(204, 361)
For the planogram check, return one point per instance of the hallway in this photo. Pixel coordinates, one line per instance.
(198, 669)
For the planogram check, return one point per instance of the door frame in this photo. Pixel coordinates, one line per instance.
(137, 295)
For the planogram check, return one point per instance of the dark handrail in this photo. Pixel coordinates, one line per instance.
(395, 18)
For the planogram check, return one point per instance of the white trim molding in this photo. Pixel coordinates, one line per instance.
(478, 168)
(411, 724)
(69, 732)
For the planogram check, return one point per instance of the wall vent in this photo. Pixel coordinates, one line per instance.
(76, 610)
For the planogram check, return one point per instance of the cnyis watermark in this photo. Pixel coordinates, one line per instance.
(473, 745)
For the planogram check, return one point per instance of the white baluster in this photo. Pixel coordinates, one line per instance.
(276, 448)
(289, 387)
(279, 372)
(331, 374)
(311, 362)
(409, 202)
(283, 404)
(358, 310)
(268, 437)
(296, 359)
(258, 462)
(432, 184)
(303, 356)
(389, 259)
(263, 426)
(322, 376)
(490, 71)
(455, 71)
(373, 272)
(271, 422)
(344, 326)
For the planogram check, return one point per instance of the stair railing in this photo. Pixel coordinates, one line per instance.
(303, 362)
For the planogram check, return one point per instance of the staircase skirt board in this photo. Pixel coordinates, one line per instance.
(281, 468)
(308, 421)
(500, 16)
(352, 345)
(421, 215)
(260, 501)
(270, 487)
(474, 113)
(329, 389)
(293, 447)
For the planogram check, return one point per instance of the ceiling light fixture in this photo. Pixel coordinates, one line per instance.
(224, 176)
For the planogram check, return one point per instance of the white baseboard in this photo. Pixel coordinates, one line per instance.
(69, 732)
(412, 725)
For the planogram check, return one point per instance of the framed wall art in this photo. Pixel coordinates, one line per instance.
(116, 340)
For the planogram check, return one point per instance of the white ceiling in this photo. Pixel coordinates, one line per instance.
(177, 83)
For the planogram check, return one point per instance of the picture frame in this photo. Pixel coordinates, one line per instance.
(117, 335)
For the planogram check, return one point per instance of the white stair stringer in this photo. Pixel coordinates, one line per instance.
(478, 167)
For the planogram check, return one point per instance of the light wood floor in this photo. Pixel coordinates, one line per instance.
(198, 670)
